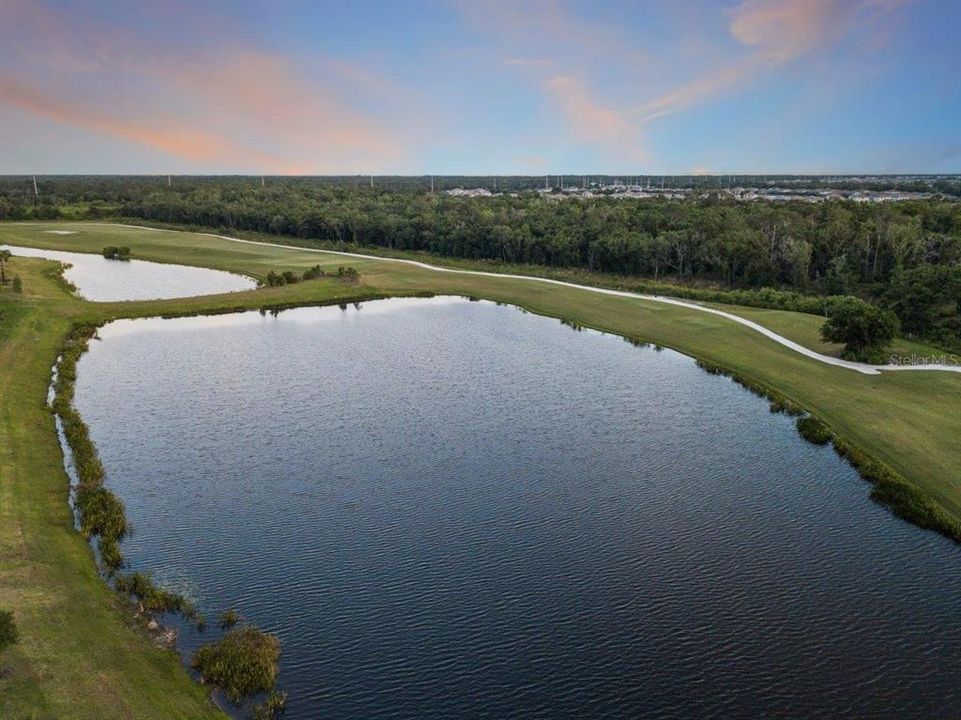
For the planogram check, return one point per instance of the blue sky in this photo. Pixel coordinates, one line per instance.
(753, 86)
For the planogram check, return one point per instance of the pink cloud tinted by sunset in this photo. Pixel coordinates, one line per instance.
(292, 88)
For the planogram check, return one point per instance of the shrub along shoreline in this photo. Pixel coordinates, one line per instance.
(102, 520)
(101, 517)
(99, 511)
(889, 488)
(241, 669)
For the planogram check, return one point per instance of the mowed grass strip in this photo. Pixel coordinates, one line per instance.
(79, 655)
(909, 420)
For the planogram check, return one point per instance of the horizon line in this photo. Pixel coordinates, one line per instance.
(487, 175)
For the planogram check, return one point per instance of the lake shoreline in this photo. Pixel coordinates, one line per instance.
(777, 404)
(294, 296)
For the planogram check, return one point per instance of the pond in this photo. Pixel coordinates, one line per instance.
(456, 509)
(102, 280)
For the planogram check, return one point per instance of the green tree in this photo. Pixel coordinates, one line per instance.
(923, 296)
(906, 242)
(797, 254)
(839, 279)
(864, 329)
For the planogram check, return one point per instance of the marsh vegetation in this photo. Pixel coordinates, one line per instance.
(242, 663)
(814, 431)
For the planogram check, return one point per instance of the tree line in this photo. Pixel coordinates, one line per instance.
(903, 256)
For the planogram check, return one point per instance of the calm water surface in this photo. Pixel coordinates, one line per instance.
(453, 509)
(102, 280)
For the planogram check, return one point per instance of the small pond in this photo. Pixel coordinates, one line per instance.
(102, 280)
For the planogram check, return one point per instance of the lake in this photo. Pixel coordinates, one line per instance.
(102, 280)
(456, 509)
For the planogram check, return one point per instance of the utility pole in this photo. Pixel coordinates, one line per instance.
(36, 193)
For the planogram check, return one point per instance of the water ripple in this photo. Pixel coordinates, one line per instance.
(452, 509)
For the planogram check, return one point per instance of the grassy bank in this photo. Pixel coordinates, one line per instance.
(81, 657)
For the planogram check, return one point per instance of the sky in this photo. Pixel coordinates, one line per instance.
(480, 88)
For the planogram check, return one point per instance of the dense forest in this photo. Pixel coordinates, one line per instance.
(904, 256)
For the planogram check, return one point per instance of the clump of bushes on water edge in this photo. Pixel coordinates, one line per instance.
(112, 252)
(274, 705)
(242, 663)
(99, 510)
(348, 274)
(813, 430)
(153, 599)
(289, 277)
(890, 489)
(779, 403)
(901, 497)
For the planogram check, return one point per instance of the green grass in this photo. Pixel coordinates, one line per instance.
(80, 656)
(806, 329)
